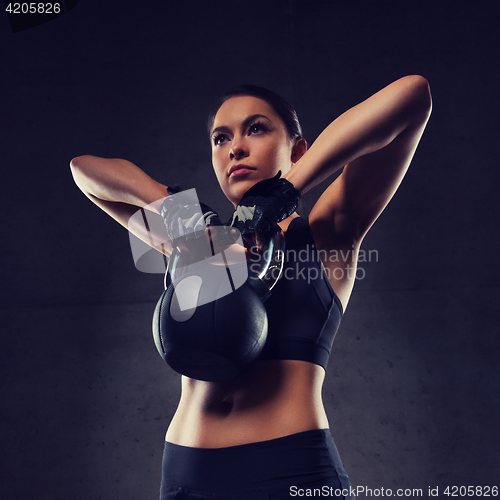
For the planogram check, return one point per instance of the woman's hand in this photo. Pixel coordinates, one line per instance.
(264, 205)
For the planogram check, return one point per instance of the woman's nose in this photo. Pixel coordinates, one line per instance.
(238, 150)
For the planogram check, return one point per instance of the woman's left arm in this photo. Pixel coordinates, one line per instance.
(375, 140)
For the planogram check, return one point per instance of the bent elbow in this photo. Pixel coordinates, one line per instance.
(76, 166)
(421, 93)
(77, 162)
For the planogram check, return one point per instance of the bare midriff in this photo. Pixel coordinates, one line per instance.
(272, 399)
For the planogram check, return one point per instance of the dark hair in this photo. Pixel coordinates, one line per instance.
(284, 110)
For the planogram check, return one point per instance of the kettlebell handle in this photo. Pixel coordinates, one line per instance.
(273, 256)
(271, 262)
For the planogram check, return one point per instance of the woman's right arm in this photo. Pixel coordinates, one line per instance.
(120, 188)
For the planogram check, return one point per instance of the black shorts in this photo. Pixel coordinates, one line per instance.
(281, 468)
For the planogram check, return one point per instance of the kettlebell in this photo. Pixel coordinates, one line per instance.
(215, 340)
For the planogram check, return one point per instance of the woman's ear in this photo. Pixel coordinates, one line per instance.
(298, 150)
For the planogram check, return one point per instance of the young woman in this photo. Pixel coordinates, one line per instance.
(265, 433)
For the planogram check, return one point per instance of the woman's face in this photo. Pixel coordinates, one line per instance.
(249, 143)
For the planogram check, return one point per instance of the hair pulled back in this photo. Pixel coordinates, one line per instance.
(281, 107)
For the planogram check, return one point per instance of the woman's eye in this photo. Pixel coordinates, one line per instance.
(255, 128)
(219, 139)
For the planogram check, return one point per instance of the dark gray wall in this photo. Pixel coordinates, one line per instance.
(412, 390)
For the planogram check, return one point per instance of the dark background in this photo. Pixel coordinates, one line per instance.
(412, 389)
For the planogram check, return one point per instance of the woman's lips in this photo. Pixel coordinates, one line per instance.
(240, 170)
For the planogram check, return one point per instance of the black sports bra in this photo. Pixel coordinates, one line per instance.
(304, 312)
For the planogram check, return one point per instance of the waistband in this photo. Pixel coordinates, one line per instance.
(295, 459)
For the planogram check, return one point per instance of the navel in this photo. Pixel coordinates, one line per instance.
(226, 406)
